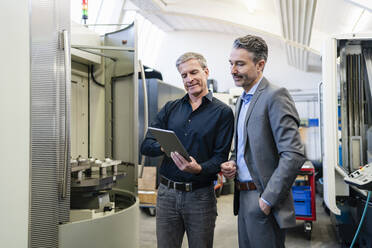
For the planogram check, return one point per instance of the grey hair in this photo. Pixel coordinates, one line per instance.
(190, 55)
(253, 44)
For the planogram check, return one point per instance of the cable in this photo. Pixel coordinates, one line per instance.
(361, 220)
(94, 79)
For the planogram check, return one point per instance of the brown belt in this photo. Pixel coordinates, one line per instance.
(244, 186)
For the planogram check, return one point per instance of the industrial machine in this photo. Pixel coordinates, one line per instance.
(105, 156)
(361, 178)
(91, 181)
(73, 144)
(347, 127)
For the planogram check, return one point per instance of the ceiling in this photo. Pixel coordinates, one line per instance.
(263, 17)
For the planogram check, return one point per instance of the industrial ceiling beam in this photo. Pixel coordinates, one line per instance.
(297, 17)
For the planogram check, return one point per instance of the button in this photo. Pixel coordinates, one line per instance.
(185, 134)
(189, 120)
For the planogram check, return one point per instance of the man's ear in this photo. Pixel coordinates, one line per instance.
(261, 65)
(206, 70)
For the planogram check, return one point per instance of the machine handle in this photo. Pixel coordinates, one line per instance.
(320, 120)
(145, 110)
(67, 63)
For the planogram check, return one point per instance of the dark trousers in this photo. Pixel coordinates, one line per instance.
(257, 230)
(194, 212)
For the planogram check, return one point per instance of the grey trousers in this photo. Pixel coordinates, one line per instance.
(257, 230)
(194, 212)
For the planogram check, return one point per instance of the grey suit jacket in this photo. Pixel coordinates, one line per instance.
(273, 150)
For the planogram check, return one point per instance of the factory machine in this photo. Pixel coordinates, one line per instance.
(347, 134)
(71, 131)
(104, 89)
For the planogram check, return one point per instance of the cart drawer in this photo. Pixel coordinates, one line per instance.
(301, 193)
(302, 208)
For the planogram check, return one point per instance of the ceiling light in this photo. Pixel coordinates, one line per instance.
(251, 5)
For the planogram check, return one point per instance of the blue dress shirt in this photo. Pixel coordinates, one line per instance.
(243, 173)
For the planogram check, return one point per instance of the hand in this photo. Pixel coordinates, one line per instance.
(184, 165)
(229, 169)
(264, 207)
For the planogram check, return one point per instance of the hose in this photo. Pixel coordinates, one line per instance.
(361, 220)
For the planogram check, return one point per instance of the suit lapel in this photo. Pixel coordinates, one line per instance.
(261, 87)
(263, 84)
(237, 112)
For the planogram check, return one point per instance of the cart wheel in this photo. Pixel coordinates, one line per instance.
(151, 211)
(308, 227)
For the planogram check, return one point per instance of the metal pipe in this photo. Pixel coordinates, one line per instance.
(320, 120)
(145, 109)
(89, 111)
(115, 48)
(98, 53)
(109, 24)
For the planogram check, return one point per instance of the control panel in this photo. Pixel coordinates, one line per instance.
(361, 178)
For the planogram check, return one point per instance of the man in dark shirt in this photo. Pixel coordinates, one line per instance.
(204, 125)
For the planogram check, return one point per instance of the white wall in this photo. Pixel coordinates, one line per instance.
(216, 48)
(15, 123)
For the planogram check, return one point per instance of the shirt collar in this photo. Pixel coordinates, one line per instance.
(208, 96)
(247, 96)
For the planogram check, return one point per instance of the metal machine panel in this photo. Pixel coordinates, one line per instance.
(15, 123)
(114, 231)
(50, 91)
(330, 129)
(97, 121)
(79, 116)
(124, 69)
(121, 103)
(123, 143)
(168, 92)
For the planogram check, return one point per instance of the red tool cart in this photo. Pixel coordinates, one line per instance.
(304, 197)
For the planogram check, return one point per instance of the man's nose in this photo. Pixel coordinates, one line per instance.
(233, 69)
(189, 78)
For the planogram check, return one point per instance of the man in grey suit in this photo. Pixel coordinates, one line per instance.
(268, 152)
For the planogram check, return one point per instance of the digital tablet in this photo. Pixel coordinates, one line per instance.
(169, 142)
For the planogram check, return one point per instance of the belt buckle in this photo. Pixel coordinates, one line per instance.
(168, 183)
(188, 187)
(174, 185)
(247, 185)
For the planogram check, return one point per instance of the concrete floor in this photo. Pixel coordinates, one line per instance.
(323, 235)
